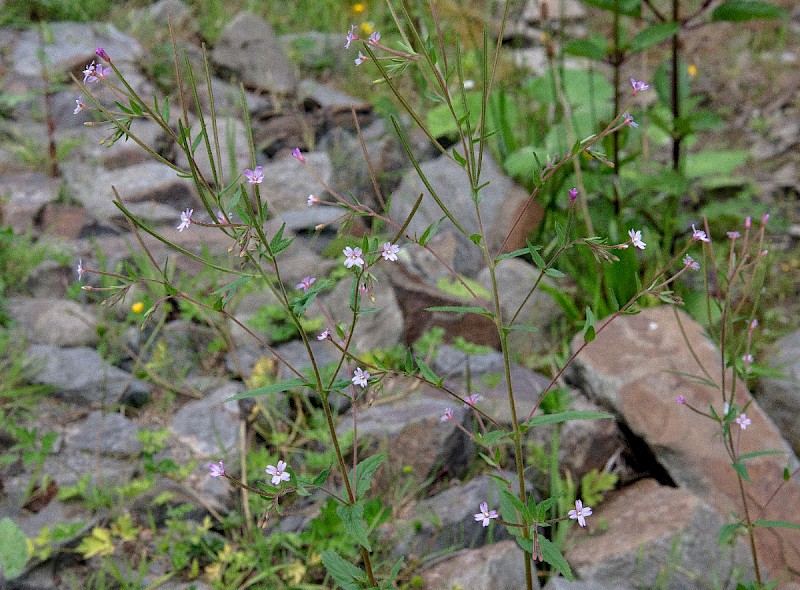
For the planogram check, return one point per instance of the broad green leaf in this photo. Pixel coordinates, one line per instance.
(352, 516)
(653, 35)
(744, 10)
(585, 48)
(588, 326)
(727, 531)
(552, 555)
(13, 549)
(715, 163)
(430, 231)
(274, 388)
(741, 469)
(490, 438)
(344, 573)
(565, 417)
(427, 372)
(516, 503)
(364, 472)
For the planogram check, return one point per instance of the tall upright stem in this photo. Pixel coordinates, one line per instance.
(676, 81)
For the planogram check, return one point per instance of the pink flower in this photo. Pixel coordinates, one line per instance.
(215, 470)
(298, 154)
(186, 219)
(734, 234)
(101, 53)
(636, 239)
(80, 269)
(353, 257)
(699, 234)
(690, 262)
(638, 86)
(306, 283)
(278, 473)
(754, 324)
(471, 400)
(255, 176)
(580, 513)
(324, 335)
(748, 360)
(351, 36)
(374, 38)
(743, 421)
(765, 219)
(448, 415)
(79, 106)
(360, 59)
(88, 74)
(360, 377)
(680, 400)
(312, 200)
(573, 194)
(389, 251)
(628, 120)
(485, 514)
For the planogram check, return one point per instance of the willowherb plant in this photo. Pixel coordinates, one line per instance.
(239, 210)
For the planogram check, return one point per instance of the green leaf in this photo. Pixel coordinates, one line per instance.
(461, 309)
(462, 161)
(711, 162)
(585, 48)
(364, 472)
(274, 388)
(745, 456)
(741, 469)
(566, 417)
(427, 372)
(352, 516)
(516, 504)
(514, 254)
(13, 549)
(653, 35)
(626, 7)
(344, 573)
(552, 555)
(727, 531)
(430, 231)
(744, 10)
(777, 524)
(588, 326)
(555, 273)
(490, 438)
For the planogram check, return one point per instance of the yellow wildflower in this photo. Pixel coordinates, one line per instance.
(359, 7)
(692, 69)
(137, 307)
(367, 27)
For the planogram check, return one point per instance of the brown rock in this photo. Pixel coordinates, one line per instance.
(636, 367)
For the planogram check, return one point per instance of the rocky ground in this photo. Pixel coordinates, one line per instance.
(675, 480)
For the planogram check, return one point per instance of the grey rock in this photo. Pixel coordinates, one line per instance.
(227, 100)
(780, 397)
(24, 196)
(379, 329)
(58, 322)
(73, 47)
(501, 199)
(149, 189)
(210, 426)
(515, 278)
(230, 132)
(317, 51)
(109, 434)
(122, 153)
(80, 375)
(249, 48)
(564, 584)
(175, 10)
(328, 97)
(287, 182)
(492, 567)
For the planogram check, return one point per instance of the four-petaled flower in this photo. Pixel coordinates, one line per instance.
(298, 154)
(80, 269)
(628, 120)
(324, 335)
(312, 200)
(215, 470)
(374, 38)
(636, 239)
(255, 176)
(580, 513)
(743, 421)
(351, 36)
(471, 400)
(680, 400)
(353, 257)
(95, 71)
(360, 59)
(79, 106)
(306, 283)
(186, 219)
(638, 86)
(690, 262)
(448, 415)
(278, 473)
(360, 377)
(485, 514)
(389, 251)
(699, 234)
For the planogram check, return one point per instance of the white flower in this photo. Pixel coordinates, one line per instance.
(580, 513)
(278, 473)
(636, 239)
(389, 251)
(186, 219)
(360, 377)
(353, 257)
